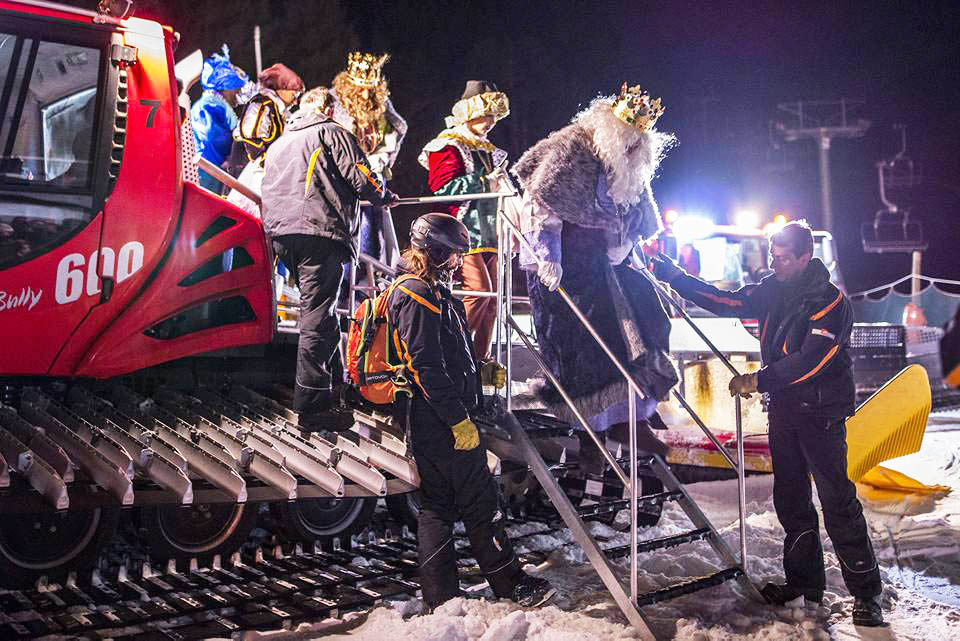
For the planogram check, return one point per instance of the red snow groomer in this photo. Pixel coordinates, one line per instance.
(112, 267)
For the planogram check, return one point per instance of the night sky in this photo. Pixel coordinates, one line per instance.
(721, 69)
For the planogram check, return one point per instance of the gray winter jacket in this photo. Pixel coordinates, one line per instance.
(314, 179)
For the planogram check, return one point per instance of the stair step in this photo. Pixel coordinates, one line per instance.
(688, 587)
(659, 544)
(607, 507)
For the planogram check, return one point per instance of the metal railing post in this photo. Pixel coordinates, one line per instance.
(507, 288)
(741, 487)
(634, 495)
(741, 467)
(498, 334)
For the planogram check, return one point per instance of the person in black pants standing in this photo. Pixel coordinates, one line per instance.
(315, 176)
(805, 324)
(455, 484)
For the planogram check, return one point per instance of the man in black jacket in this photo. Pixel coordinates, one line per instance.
(455, 484)
(315, 176)
(805, 324)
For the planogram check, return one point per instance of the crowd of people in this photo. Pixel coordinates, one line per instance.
(586, 207)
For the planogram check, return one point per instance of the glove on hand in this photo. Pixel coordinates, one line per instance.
(493, 373)
(550, 274)
(744, 385)
(465, 435)
(665, 268)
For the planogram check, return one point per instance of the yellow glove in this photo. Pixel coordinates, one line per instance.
(744, 385)
(493, 373)
(465, 435)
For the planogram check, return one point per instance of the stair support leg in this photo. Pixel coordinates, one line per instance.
(572, 520)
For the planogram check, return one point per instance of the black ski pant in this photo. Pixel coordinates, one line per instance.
(801, 446)
(456, 485)
(317, 265)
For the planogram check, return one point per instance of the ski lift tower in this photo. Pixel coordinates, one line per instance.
(822, 121)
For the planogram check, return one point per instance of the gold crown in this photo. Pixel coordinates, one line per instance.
(364, 69)
(634, 107)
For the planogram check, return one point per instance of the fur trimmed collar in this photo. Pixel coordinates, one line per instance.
(464, 141)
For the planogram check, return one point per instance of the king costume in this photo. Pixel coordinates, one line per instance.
(362, 105)
(461, 162)
(587, 205)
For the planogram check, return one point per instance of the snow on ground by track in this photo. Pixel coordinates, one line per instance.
(921, 599)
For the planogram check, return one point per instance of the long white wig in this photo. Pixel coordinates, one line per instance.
(630, 156)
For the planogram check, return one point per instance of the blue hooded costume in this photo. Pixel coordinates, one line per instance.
(212, 116)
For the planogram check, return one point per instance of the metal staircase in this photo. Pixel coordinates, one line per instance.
(628, 599)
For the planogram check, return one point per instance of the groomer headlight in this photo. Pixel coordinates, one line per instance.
(746, 218)
(692, 227)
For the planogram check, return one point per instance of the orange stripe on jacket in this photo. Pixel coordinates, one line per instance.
(826, 310)
(404, 353)
(830, 354)
(420, 299)
(732, 302)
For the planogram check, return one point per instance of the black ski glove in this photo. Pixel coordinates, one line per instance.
(665, 268)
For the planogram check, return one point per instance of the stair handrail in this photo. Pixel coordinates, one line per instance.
(505, 315)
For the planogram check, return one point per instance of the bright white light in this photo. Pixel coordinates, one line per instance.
(692, 227)
(746, 218)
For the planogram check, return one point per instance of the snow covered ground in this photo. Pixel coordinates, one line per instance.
(918, 546)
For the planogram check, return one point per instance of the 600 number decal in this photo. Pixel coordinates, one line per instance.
(77, 273)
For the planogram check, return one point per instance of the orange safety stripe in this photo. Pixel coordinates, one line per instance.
(826, 359)
(826, 310)
(409, 361)
(420, 299)
(366, 172)
(763, 331)
(785, 346)
(731, 302)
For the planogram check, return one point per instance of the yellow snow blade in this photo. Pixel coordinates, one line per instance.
(890, 423)
(883, 480)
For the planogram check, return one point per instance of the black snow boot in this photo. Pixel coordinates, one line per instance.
(777, 594)
(867, 612)
(532, 592)
(335, 419)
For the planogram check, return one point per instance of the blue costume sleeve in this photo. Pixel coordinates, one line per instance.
(213, 123)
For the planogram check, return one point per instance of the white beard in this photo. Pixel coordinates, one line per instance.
(628, 175)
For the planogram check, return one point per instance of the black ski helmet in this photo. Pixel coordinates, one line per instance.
(439, 235)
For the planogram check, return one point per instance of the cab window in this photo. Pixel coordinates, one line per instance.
(48, 118)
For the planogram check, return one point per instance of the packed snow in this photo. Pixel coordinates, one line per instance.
(918, 548)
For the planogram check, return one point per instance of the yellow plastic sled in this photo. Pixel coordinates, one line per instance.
(890, 423)
(881, 484)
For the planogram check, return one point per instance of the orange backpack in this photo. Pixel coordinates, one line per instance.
(376, 369)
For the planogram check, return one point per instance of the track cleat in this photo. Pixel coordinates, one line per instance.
(777, 594)
(335, 419)
(532, 592)
(867, 612)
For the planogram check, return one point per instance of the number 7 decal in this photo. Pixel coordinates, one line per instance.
(154, 107)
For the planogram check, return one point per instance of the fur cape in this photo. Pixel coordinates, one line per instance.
(561, 173)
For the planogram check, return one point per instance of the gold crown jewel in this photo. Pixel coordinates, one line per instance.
(364, 69)
(634, 107)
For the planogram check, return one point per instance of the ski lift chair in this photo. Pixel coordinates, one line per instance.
(892, 232)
